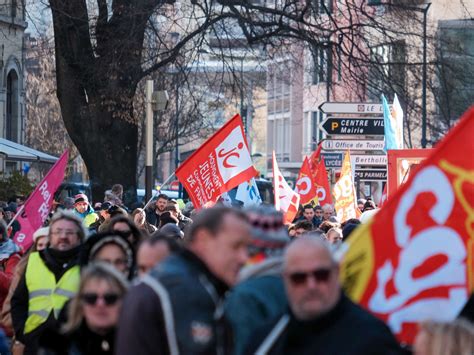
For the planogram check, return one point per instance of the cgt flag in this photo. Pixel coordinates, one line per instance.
(220, 164)
(286, 200)
(306, 186)
(414, 260)
(36, 208)
(344, 192)
(322, 183)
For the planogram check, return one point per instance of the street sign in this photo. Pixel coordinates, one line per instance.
(333, 160)
(368, 160)
(353, 126)
(370, 174)
(351, 107)
(352, 144)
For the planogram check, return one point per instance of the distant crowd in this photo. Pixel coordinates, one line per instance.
(167, 279)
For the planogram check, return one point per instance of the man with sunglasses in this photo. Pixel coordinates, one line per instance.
(321, 319)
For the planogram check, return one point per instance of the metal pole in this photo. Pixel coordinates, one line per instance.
(244, 118)
(176, 157)
(423, 104)
(158, 191)
(149, 141)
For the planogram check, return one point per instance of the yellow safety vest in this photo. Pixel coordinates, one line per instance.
(45, 294)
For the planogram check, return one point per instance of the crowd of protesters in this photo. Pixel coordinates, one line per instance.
(103, 279)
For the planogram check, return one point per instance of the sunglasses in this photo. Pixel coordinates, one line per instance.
(91, 298)
(300, 278)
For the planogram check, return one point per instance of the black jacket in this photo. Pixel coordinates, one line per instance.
(82, 341)
(56, 261)
(178, 306)
(346, 329)
(151, 216)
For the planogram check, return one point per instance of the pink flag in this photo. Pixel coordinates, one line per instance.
(286, 200)
(37, 207)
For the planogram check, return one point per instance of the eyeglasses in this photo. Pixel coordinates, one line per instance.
(67, 232)
(91, 298)
(320, 275)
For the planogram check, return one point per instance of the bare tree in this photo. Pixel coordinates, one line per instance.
(104, 49)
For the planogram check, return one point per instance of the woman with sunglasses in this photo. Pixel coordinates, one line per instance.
(93, 314)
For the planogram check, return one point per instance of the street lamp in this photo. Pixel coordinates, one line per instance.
(155, 101)
(424, 10)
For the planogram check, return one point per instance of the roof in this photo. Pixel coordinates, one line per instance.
(16, 152)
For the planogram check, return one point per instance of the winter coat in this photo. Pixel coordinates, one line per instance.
(58, 262)
(82, 341)
(176, 308)
(6, 318)
(257, 299)
(346, 329)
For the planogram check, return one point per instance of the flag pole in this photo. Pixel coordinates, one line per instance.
(16, 216)
(153, 196)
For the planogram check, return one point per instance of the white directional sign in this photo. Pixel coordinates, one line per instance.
(351, 107)
(368, 160)
(352, 144)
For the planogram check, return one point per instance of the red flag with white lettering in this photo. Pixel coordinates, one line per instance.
(322, 183)
(37, 206)
(305, 185)
(286, 200)
(220, 164)
(414, 259)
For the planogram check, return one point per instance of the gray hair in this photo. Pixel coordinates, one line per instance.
(71, 217)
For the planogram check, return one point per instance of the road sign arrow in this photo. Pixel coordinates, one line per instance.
(351, 107)
(353, 126)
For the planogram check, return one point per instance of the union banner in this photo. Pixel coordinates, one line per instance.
(286, 200)
(305, 185)
(414, 260)
(220, 164)
(344, 192)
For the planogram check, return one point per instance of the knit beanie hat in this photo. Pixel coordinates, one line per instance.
(41, 232)
(269, 234)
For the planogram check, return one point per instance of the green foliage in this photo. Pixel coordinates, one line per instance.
(14, 184)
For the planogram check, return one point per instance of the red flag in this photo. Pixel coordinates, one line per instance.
(414, 259)
(220, 164)
(322, 183)
(37, 206)
(315, 157)
(306, 186)
(286, 200)
(383, 199)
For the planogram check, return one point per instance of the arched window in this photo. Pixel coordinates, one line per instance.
(12, 107)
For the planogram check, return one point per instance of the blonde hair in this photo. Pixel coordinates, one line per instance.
(97, 271)
(449, 338)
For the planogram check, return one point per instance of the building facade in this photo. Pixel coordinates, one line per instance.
(12, 89)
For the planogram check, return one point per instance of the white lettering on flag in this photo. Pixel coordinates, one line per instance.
(232, 155)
